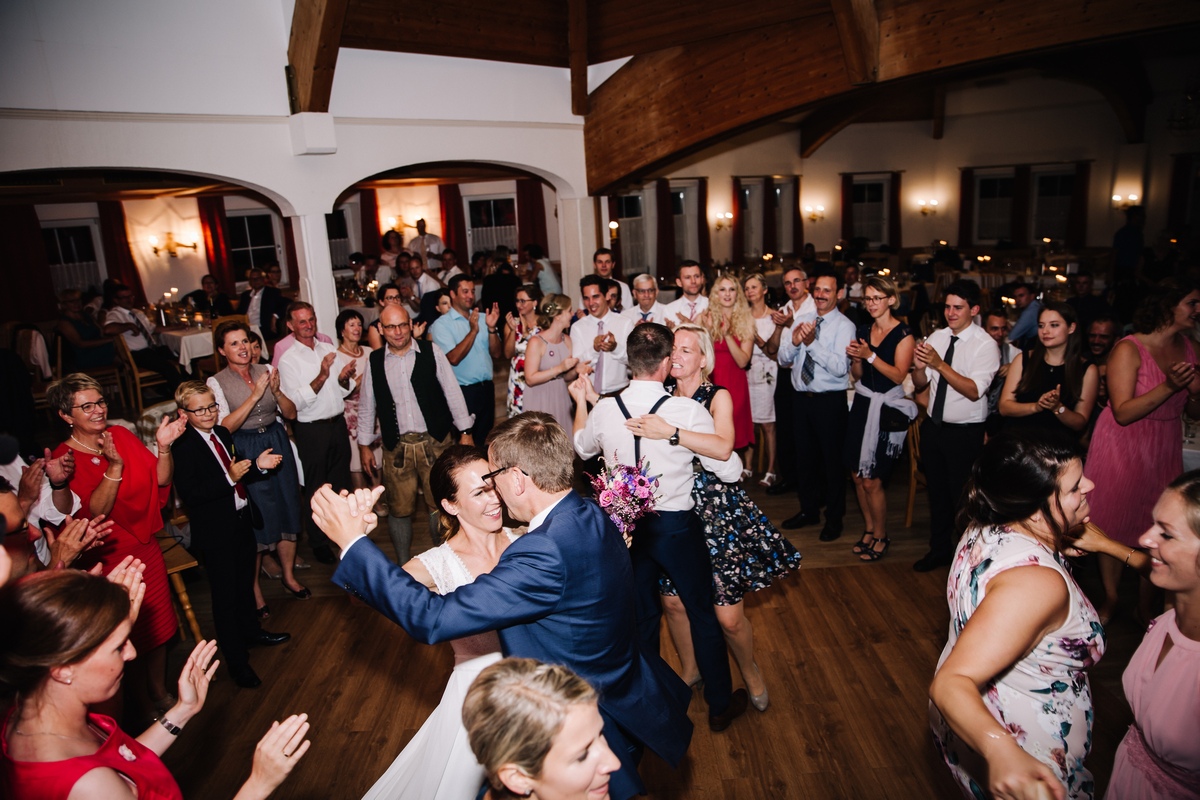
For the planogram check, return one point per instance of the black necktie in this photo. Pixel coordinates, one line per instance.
(939, 399)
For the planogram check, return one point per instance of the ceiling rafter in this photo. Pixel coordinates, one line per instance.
(313, 51)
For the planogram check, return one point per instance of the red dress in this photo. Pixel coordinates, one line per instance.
(53, 780)
(727, 374)
(137, 513)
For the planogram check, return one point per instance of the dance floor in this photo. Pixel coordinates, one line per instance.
(847, 650)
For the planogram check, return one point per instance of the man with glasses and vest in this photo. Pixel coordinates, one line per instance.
(953, 369)
(411, 387)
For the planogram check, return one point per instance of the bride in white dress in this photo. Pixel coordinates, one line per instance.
(437, 764)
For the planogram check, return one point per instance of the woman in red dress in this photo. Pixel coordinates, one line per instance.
(116, 475)
(64, 642)
(731, 326)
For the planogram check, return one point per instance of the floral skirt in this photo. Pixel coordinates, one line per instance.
(748, 553)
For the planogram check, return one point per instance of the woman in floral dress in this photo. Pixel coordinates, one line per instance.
(748, 553)
(1011, 706)
(518, 330)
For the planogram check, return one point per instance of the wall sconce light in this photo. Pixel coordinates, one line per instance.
(612, 230)
(170, 245)
(928, 207)
(984, 260)
(724, 221)
(1060, 278)
(767, 257)
(815, 213)
(1123, 203)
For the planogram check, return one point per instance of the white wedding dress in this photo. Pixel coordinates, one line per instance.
(438, 763)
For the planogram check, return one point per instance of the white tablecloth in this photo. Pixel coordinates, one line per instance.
(1191, 447)
(188, 344)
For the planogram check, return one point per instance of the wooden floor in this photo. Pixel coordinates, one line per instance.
(847, 650)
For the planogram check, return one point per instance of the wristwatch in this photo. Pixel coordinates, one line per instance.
(674, 438)
(1060, 410)
(871, 358)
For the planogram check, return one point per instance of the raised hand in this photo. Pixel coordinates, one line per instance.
(510, 321)
(274, 381)
(29, 488)
(60, 470)
(108, 449)
(781, 319)
(474, 319)
(268, 460)
(276, 754)
(170, 429)
(418, 329)
(493, 316)
(197, 674)
(262, 383)
(326, 365)
(128, 574)
(332, 513)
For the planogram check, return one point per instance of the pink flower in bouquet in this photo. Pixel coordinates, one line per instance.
(606, 499)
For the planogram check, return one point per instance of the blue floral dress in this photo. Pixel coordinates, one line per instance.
(1044, 700)
(747, 551)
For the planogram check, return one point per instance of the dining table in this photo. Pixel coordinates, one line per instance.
(188, 343)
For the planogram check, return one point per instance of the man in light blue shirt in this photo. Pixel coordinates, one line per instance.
(1024, 333)
(470, 351)
(815, 348)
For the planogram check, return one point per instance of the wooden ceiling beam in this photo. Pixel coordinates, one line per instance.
(313, 51)
(825, 122)
(667, 104)
(577, 43)
(858, 28)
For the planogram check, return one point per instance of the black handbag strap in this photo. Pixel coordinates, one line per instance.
(637, 440)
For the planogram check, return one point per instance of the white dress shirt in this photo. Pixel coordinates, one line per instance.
(977, 357)
(807, 306)
(583, 336)
(239, 502)
(297, 369)
(254, 310)
(689, 308)
(429, 247)
(606, 432)
(135, 340)
(657, 312)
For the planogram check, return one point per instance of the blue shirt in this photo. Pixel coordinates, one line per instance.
(1026, 326)
(832, 372)
(450, 329)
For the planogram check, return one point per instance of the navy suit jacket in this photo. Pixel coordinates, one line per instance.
(561, 594)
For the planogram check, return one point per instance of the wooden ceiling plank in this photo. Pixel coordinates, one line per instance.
(577, 42)
(313, 50)
(858, 29)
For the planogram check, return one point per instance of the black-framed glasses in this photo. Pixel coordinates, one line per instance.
(489, 479)
(88, 408)
(204, 411)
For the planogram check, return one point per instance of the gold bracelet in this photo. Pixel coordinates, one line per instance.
(114, 480)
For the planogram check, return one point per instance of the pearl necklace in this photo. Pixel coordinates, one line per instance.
(95, 458)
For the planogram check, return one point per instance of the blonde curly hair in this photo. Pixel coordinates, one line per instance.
(740, 322)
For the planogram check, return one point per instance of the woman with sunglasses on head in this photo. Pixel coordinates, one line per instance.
(437, 764)
(116, 475)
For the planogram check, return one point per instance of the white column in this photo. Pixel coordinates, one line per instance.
(577, 235)
(316, 269)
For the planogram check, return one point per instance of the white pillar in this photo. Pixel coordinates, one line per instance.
(577, 236)
(316, 269)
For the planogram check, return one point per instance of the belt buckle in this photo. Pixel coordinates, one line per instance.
(262, 430)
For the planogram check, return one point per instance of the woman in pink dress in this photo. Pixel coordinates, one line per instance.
(1136, 448)
(1159, 758)
(731, 326)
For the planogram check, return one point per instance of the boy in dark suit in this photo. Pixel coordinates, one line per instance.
(208, 478)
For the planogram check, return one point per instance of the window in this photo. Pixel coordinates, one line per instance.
(491, 222)
(631, 234)
(74, 260)
(69, 245)
(994, 203)
(338, 234)
(868, 202)
(785, 204)
(686, 214)
(750, 204)
(252, 241)
(629, 206)
(1052, 204)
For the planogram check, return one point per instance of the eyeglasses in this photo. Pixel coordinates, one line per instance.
(880, 299)
(489, 479)
(396, 327)
(204, 411)
(88, 408)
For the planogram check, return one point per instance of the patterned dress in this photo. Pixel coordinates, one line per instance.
(1044, 700)
(516, 370)
(748, 553)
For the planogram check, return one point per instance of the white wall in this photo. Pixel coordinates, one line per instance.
(160, 273)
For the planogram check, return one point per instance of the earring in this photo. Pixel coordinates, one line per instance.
(68, 681)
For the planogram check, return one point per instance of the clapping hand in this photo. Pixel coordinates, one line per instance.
(804, 333)
(76, 537)
(493, 315)
(197, 674)
(347, 373)
(29, 488)
(1050, 400)
(859, 349)
(268, 460)
(926, 356)
(418, 330)
(238, 469)
(781, 319)
(510, 321)
(60, 470)
(128, 575)
(277, 753)
(274, 381)
(261, 383)
(1180, 375)
(170, 429)
(108, 448)
(326, 365)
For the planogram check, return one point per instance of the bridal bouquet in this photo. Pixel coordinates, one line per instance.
(626, 493)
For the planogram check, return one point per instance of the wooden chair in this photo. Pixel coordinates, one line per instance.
(107, 376)
(214, 363)
(916, 477)
(178, 560)
(137, 380)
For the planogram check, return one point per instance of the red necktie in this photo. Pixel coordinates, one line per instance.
(237, 487)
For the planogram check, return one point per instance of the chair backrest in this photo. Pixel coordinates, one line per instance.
(123, 353)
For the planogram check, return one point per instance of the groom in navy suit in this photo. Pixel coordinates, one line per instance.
(562, 593)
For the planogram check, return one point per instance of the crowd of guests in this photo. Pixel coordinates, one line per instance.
(1040, 437)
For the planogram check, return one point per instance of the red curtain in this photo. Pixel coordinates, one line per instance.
(848, 206)
(770, 237)
(615, 245)
(738, 239)
(117, 257)
(665, 257)
(531, 214)
(966, 207)
(895, 231)
(216, 234)
(454, 221)
(1077, 218)
(1183, 169)
(705, 233)
(289, 253)
(1021, 196)
(797, 219)
(28, 294)
(368, 212)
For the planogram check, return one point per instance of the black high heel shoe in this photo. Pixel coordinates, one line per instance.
(864, 544)
(872, 554)
(303, 594)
